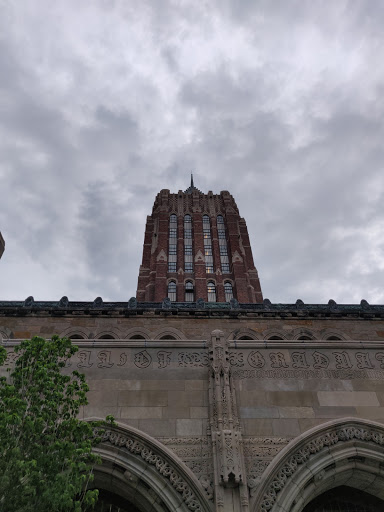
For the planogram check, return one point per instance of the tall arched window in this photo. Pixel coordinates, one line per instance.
(172, 291)
(189, 295)
(228, 291)
(188, 252)
(211, 291)
(172, 252)
(224, 260)
(207, 245)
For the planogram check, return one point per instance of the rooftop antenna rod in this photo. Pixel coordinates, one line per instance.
(192, 185)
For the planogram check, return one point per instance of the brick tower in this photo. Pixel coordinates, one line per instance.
(197, 246)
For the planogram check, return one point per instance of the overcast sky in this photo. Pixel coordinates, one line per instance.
(103, 103)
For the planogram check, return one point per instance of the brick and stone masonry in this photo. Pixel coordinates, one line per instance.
(155, 273)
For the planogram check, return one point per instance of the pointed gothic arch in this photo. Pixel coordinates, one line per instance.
(147, 475)
(337, 453)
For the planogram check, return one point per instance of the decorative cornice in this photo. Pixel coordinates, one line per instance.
(132, 307)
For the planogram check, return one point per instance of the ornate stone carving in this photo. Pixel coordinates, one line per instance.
(63, 302)
(227, 450)
(156, 460)
(200, 303)
(258, 453)
(97, 303)
(314, 446)
(166, 304)
(28, 303)
(196, 453)
(132, 303)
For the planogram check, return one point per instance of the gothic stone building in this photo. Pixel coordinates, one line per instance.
(223, 401)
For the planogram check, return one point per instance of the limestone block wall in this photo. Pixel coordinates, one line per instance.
(88, 323)
(211, 384)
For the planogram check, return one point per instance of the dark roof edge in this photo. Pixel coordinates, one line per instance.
(299, 307)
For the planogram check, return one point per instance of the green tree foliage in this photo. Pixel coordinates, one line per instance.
(46, 457)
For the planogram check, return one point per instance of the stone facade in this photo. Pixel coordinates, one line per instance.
(251, 407)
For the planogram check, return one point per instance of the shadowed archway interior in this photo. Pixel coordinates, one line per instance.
(345, 499)
(110, 502)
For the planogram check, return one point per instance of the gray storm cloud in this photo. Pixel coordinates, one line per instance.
(103, 104)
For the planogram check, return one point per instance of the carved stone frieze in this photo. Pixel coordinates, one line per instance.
(258, 454)
(311, 448)
(196, 453)
(164, 467)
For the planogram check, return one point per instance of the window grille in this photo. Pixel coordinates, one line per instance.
(224, 259)
(207, 245)
(172, 249)
(211, 292)
(228, 291)
(172, 291)
(188, 251)
(189, 292)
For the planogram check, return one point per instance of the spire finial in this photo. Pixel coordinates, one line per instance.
(192, 187)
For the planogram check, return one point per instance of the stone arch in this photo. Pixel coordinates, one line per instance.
(169, 334)
(302, 334)
(244, 334)
(3, 336)
(332, 334)
(108, 334)
(348, 452)
(274, 334)
(137, 334)
(75, 333)
(141, 470)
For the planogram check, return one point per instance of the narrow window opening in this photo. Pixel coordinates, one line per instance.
(172, 291)
(172, 247)
(189, 292)
(228, 291)
(211, 291)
